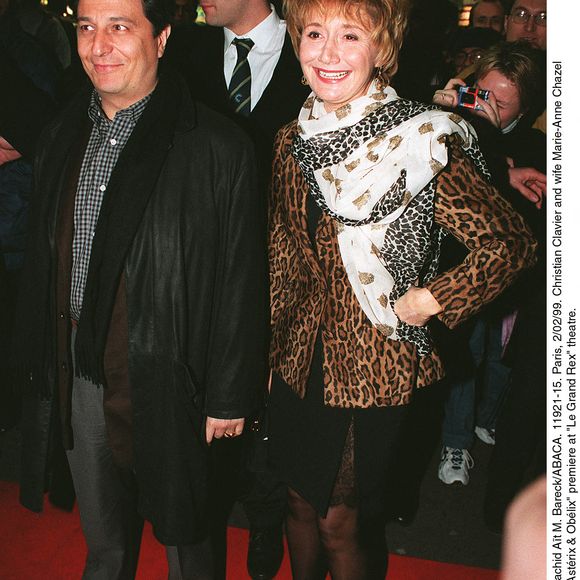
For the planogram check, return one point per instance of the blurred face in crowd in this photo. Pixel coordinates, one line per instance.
(506, 94)
(488, 15)
(465, 57)
(3, 6)
(184, 12)
(118, 50)
(527, 21)
(338, 57)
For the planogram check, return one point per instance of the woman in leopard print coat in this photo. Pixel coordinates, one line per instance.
(365, 187)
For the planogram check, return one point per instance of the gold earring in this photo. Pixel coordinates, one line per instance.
(380, 79)
(304, 81)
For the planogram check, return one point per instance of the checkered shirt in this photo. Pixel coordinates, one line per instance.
(104, 147)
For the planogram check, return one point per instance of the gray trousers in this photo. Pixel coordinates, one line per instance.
(107, 497)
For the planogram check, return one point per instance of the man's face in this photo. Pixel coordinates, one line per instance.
(226, 13)
(466, 57)
(526, 30)
(488, 15)
(118, 50)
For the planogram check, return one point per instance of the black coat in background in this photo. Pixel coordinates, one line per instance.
(198, 54)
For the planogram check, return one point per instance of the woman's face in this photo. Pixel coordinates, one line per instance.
(506, 95)
(337, 57)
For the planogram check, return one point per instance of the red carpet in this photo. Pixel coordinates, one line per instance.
(50, 546)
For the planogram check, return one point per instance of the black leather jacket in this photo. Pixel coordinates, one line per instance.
(196, 303)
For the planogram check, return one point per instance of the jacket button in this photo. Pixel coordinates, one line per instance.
(64, 367)
(61, 315)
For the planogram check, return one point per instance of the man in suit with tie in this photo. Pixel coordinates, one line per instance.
(208, 56)
(243, 65)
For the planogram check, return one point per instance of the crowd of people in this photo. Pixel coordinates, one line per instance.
(238, 237)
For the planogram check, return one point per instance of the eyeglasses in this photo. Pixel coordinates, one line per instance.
(521, 16)
(463, 57)
(485, 21)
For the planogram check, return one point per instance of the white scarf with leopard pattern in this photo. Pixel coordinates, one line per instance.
(371, 165)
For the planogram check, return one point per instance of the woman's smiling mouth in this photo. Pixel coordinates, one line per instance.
(332, 75)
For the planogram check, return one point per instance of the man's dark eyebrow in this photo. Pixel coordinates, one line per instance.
(121, 19)
(82, 18)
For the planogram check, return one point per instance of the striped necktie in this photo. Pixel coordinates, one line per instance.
(240, 85)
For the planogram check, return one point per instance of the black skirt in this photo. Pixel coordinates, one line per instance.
(307, 442)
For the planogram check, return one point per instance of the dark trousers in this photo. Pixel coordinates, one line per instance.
(264, 500)
(10, 397)
(107, 497)
(240, 473)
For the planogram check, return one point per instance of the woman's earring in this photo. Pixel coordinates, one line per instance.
(304, 81)
(380, 79)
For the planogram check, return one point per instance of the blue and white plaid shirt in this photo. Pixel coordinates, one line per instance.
(104, 147)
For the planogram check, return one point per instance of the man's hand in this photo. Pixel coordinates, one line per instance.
(7, 152)
(219, 428)
(530, 182)
(417, 306)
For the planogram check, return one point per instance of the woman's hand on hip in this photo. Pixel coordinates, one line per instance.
(417, 306)
(218, 428)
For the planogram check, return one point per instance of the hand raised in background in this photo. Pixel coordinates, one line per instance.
(7, 152)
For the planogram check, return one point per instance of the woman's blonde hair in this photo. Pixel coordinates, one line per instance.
(386, 20)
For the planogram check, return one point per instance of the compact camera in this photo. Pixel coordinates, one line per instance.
(467, 97)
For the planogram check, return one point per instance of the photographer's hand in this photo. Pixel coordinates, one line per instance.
(447, 97)
(490, 110)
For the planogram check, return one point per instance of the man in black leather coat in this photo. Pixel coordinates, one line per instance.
(144, 308)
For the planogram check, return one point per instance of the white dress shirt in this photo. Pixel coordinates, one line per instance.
(268, 39)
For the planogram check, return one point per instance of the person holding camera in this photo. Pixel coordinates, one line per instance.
(501, 106)
(511, 75)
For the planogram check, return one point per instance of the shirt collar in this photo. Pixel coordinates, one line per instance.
(131, 113)
(262, 34)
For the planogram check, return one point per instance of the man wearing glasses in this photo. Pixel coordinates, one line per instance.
(527, 21)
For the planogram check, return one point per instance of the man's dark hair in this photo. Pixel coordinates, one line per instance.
(159, 13)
